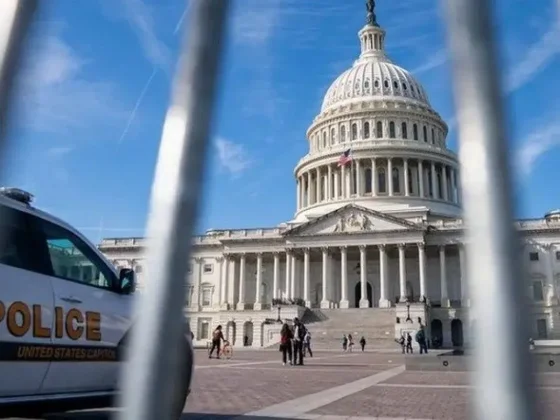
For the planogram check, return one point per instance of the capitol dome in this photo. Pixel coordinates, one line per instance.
(380, 116)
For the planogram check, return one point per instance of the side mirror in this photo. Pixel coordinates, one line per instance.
(127, 281)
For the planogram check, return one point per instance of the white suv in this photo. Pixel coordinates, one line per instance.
(65, 314)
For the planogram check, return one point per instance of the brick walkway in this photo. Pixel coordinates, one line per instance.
(332, 386)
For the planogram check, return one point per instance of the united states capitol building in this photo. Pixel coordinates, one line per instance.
(378, 238)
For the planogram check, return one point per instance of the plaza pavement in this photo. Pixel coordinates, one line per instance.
(331, 386)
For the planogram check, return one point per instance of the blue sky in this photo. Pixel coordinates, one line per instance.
(97, 78)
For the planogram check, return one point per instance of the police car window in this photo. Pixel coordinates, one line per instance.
(16, 244)
(72, 259)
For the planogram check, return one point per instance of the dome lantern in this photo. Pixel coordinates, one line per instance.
(372, 36)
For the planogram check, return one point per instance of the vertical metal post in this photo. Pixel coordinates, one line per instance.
(150, 376)
(503, 369)
(15, 19)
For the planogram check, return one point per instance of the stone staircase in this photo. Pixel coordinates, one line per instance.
(327, 326)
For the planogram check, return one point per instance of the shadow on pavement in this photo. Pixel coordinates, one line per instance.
(107, 415)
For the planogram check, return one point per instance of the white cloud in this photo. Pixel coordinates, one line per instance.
(537, 144)
(435, 60)
(232, 157)
(535, 59)
(55, 94)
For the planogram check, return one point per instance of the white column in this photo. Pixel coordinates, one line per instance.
(241, 302)
(390, 175)
(402, 273)
(329, 183)
(373, 178)
(344, 303)
(298, 189)
(325, 302)
(434, 181)
(199, 263)
(463, 276)
(306, 277)
(551, 298)
(288, 272)
(358, 178)
(444, 183)
(443, 277)
(422, 270)
(453, 190)
(293, 276)
(224, 281)
(348, 182)
(275, 275)
(336, 185)
(343, 182)
(384, 301)
(258, 282)
(364, 301)
(406, 185)
(231, 280)
(319, 187)
(420, 179)
(218, 300)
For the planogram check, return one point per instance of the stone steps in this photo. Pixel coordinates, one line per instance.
(327, 326)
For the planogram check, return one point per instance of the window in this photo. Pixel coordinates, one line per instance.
(396, 181)
(381, 181)
(557, 255)
(333, 136)
(404, 131)
(425, 132)
(415, 131)
(392, 130)
(410, 189)
(542, 333)
(16, 246)
(396, 84)
(138, 269)
(324, 139)
(206, 297)
(386, 83)
(533, 256)
(404, 86)
(379, 130)
(190, 293)
(538, 294)
(203, 330)
(343, 133)
(433, 136)
(376, 84)
(70, 258)
(366, 130)
(208, 268)
(354, 131)
(367, 180)
(439, 185)
(366, 84)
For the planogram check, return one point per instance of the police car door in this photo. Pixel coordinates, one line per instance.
(26, 309)
(95, 317)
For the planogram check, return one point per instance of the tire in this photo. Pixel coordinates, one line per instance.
(228, 352)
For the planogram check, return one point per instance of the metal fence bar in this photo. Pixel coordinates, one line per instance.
(502, 364)
(150, 376)
(15, 19)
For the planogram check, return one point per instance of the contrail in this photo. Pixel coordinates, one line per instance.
(182, 19)
(137, 105)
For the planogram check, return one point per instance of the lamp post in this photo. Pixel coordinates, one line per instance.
(408, 318)
(279, 319)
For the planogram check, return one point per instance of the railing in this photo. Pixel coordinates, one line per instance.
(502, 378)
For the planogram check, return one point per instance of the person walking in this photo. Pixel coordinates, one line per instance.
(421, 340)
(286, 344)
(363, 343)
(299, 335)
(409, 348)
(344, 342)
(307, 344)
(217, 337)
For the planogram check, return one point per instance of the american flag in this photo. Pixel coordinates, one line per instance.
(345, 158)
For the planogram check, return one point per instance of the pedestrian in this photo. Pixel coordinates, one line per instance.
(421, 339)
(402, 343)
(217, 337)
(350, 343)
(307, 344)
(286, 344)
(344, 342)
(409, 344)
(363, 343)
(299, 335)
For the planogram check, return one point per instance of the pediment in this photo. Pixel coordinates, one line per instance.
(353, 219)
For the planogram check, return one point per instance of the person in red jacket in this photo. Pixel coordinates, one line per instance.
(286, 337)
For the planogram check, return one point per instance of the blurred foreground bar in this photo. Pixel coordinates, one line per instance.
(502, 374)
(156, 359)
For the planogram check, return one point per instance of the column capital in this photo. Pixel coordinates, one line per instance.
(276, 254)
(198, 260)
(441, 247)
(362, 248)
(382, 247)
(343, 248)
(421, 245)
(259, 254)
(219, 259)
(325, 249)
(242, 255)
(289, 251)
(306, 250)
(401, 246)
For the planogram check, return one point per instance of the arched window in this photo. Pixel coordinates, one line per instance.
(376, 83)
(333, 136)
(386, 83)
(404, 131)
(396, 84)
(381, 181)
(439, 185)
(430, 183)
(366, 84)
(366, 130)
(354, 131)
(433, 136)
(343, 133)
(425, 132)
(324, 139)
(410, 189)
(379, 130)
(415, 131)
(354, 186)
(392, 130)
(367, 174)
(396, 181)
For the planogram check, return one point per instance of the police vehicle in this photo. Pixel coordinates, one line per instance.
(65, 315)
